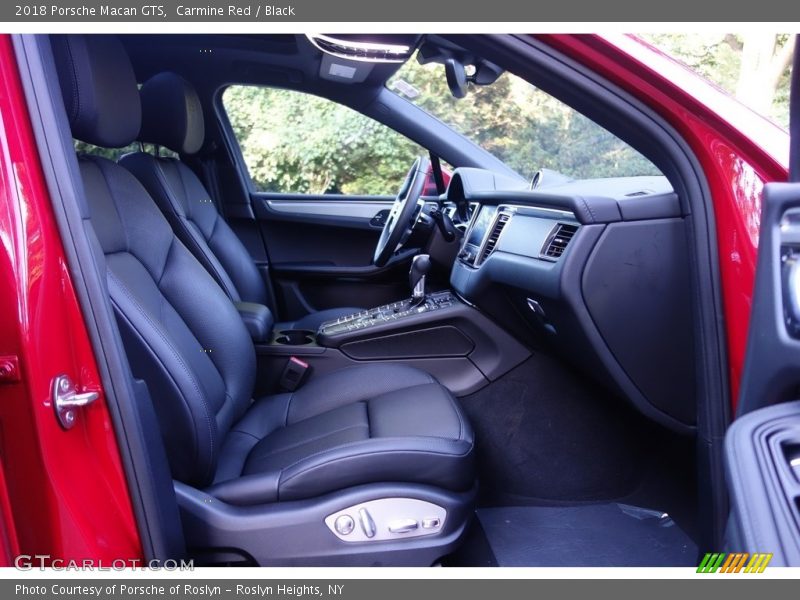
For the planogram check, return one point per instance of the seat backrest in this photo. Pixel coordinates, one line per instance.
(182, 334)
(172, 117)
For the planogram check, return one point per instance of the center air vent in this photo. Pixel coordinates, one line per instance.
(559, 240)
(491, 242)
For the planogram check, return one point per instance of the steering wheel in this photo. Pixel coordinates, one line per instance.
(401, 217)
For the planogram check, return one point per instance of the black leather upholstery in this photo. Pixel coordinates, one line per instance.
(188, 207)
(172, 115)
(182, 334)
(358, 425)
(258, 320)
(186, 339)
(103, 115)
(173, 118)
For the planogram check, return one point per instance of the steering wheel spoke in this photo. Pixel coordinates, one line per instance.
(403, 213)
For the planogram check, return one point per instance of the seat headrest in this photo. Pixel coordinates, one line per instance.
(171, 114)
(99, 89)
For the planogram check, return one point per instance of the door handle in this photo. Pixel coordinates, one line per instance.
(379, 220)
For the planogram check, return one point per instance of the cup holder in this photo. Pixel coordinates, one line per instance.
(294, 337)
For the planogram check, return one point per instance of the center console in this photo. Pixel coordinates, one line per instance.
(436, 332)
(395, 313)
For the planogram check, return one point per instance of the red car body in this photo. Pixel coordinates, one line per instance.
(64, 494)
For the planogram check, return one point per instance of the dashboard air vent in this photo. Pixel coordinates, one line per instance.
(559, 239)
(491, 242)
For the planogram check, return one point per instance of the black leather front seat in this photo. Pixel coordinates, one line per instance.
(172, 117)
(254, 472)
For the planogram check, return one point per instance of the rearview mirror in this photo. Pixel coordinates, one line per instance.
(456, 77)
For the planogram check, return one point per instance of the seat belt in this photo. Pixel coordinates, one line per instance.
(208, 168)
(436, 167)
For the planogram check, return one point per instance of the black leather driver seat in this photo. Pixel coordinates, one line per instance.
(172, 117)
(254, 472)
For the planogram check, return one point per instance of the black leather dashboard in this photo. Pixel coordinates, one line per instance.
(596, 270)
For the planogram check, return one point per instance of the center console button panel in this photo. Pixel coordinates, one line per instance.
(387, 313)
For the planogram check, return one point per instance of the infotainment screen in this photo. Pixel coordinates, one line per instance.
(482, 222)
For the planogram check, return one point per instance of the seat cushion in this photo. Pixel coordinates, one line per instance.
(312, 321)
(364, 424)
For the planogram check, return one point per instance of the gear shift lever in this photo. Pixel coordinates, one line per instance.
(420, 267)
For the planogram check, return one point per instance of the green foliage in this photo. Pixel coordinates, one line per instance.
(715, 56)
(718, 58)
(109, 153)
(299, 143)
(116, 153)
(525, 127)
(294, 142)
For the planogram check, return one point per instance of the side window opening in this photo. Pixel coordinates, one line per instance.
(293, 142)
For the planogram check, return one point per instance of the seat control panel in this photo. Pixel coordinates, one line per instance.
(387, 519)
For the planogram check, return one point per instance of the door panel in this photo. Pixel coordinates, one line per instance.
(363, 211)
(762, 447)
(317, 246)
(320, 250)
(334, 230)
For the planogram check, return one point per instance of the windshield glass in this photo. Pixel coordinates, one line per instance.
(521, 125)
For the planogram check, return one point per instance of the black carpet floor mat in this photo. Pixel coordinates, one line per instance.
(592, 535)
(543, 431)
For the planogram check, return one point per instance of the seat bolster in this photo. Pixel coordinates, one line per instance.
(262, 418)
(259, 488)
(369, 461)
(442, 462)
(353, 384)
(235, 450)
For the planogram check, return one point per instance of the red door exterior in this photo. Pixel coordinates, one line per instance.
(62, 493)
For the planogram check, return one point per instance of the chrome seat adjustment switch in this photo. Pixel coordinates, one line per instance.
(403, 526)
(387, 519)
(345, 524)
(367, 524)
